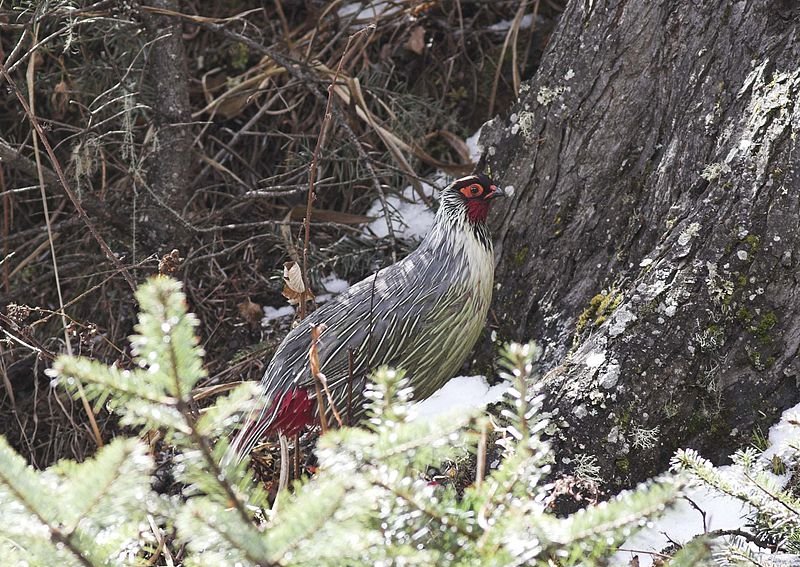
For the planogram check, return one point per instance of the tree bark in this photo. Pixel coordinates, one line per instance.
(651, 242)
(169, 161)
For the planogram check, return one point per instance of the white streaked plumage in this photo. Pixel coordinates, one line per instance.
(422, 314)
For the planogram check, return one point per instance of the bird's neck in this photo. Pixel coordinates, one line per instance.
(477, 211)
(457, 226)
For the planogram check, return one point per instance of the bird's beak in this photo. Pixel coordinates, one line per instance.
(495, 191)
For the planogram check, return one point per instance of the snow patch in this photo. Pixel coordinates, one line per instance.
(271, 313)
(410, 217)
(460, 393)
(334, 284)
(682, 523)
(368, 12)
(505, 25)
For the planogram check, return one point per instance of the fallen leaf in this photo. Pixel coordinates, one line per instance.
(294, 288)
(59, 98)
(250, 311)
(416, 40)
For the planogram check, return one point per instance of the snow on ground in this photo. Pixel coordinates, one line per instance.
(460, 393)
(505, 25)
(681, 524)
(368, 11)
(333, 285)
(684, 522)
(411, 218)
(271, 313)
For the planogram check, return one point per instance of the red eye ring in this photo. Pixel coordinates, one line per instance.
(472, 190)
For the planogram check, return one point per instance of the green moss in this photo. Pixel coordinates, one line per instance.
(763, 328)
(521, 256)
(623, 465)
(624, 419)
(758, 360)
(753, 241)
(239, 55)
(600, 307)
(777, 465)
(743, 314)
(696, 423)
(758, 439)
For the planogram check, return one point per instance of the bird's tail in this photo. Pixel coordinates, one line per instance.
(286, 413)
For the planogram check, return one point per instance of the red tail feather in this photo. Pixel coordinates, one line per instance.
(295, 411)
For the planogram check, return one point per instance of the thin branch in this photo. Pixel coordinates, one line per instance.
(480, 457)
(313, 359)
(752, 538)
(312, 170)
(184, 406)
(446, 521)
(15, 160)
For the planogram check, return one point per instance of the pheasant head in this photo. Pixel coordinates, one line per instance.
(464, 207)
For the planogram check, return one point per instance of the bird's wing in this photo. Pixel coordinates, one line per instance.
(378, 318)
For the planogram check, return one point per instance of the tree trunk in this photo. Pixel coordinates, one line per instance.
(170, 157)
(650, 243)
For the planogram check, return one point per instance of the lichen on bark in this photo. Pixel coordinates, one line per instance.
(668, 165)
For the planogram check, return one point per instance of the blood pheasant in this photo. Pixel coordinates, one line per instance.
(422, 314)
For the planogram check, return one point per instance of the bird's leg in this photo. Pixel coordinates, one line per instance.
(350, 367)
(297, 455)
(283, 479)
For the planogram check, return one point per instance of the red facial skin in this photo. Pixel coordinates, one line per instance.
(478, 201)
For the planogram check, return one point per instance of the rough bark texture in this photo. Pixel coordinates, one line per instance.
(651, 242)
(169, 162)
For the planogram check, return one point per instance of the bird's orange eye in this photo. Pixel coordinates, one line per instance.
(474, 190)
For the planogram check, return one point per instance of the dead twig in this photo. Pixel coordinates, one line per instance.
(480, 466)
(321, 381)
(51, 240)
(511, 38)
(313, 356)
(312, 170)
(12, 331)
